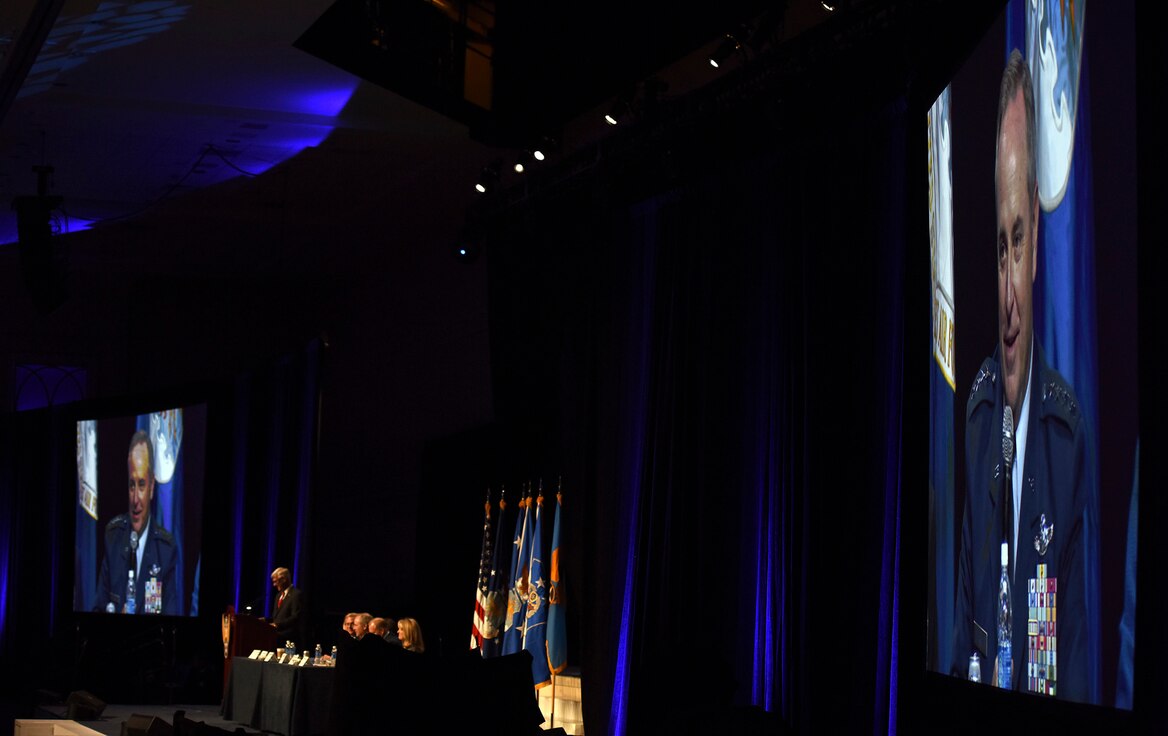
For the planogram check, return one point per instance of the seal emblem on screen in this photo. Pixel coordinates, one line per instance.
(166, 433)
(1054, 46)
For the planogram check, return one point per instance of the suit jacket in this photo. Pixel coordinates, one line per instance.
(159, 560)
(288, 618)
(1054, 495)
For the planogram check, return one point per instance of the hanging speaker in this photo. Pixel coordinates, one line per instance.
(43, 258)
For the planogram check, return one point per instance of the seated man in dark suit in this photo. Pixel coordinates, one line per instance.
(361, 625)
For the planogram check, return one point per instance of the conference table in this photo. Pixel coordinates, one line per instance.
(280, 698)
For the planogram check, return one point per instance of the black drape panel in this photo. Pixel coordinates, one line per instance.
(733, 418)
(33, 588)
(272, 457)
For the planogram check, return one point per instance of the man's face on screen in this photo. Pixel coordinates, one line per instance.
(1017, 210)
(141, 486)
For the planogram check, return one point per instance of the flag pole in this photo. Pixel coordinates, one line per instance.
(559, 490)
(554, 678)
(523, 616)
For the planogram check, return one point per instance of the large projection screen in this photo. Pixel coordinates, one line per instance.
(1033, 282)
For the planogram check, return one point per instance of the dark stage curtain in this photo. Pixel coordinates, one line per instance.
(711, 347)
(275, 415)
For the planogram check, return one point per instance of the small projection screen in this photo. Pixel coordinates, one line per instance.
(139, 503)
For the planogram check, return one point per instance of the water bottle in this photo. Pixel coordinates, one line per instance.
(1005, 623)
(316, 656)
(334, 655)
(131, 604)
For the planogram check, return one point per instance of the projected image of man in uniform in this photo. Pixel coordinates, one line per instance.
(135, 541)
(1032, 495)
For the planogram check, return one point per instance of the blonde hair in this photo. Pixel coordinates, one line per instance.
(411, 637)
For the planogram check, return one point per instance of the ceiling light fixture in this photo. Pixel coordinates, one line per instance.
(622, 107)
(523, 162)
(488, 177)
(729, 45)
(547, 145)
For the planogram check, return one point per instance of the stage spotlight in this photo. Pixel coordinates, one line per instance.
(728, 46)
(731, 43)
(523, 162)
(547, 145)
(488, 177)
(621, 108)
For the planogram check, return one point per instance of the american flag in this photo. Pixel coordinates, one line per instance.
(478, 625)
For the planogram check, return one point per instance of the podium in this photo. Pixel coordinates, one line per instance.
(243, 633)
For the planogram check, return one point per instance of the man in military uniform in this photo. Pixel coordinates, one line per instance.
(135, 541)
(1046, 496)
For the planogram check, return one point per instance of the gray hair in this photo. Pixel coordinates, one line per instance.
(1017, 77)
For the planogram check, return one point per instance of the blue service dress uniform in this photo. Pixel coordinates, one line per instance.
(159, 560)
(1054, 497)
